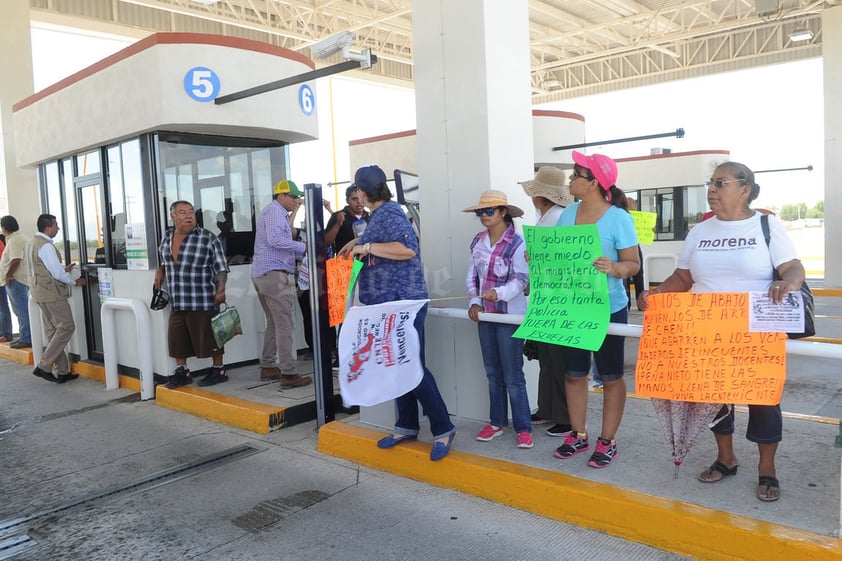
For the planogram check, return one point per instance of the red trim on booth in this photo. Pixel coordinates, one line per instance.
(381, 137)
(164, 39)
(562, 114)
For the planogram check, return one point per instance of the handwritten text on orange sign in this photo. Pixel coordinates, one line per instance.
(697, 347)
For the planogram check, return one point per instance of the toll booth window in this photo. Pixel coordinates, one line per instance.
(69, 244)
(228, 181)
(88, 163)
(127, 212)
(697, 205)
(676, 208)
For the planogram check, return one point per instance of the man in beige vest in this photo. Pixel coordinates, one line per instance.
(50, 283)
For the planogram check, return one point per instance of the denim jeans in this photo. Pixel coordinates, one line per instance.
(427, 393)
(19, 297)
(5, 315)
(502, 356)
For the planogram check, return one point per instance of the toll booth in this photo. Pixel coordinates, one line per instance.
(118, 142)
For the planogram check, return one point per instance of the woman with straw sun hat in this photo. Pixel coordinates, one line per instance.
(550, 196)
(497, 277)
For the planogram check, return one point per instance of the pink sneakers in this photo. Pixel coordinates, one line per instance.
(524, 440)
(489, 432)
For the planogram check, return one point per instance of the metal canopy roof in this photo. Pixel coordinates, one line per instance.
(578, 47)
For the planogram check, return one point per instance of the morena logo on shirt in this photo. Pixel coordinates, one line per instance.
(728, 243)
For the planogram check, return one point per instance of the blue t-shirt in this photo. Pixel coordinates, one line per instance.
(616, 232)
(386, 280)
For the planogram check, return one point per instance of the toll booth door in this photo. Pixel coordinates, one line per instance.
(89, 204)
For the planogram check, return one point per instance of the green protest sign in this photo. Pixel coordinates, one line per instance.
(644, 224)
(568, 296)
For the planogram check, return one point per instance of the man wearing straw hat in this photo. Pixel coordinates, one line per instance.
(550, 196)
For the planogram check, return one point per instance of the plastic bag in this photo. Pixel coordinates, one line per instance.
(226, 325)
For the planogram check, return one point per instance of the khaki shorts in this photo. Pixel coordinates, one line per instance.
(190, 334)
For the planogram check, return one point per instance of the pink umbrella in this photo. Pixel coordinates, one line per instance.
(682, 422)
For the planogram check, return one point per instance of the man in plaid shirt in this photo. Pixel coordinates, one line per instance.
(192, 262)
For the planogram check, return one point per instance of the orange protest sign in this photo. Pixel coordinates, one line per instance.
(338, 272)
(697, 347)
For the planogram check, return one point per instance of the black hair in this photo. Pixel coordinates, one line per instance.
(9, 223)
(45, 221)
(507, 218)
(745, 175)
(350, 191)
(379, 192)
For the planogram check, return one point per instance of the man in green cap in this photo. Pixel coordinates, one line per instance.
(273, 275)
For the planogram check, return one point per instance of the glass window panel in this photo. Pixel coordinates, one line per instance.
(88, 163)
(240, 209)
(221, 176)
(92, 228)
(68, 235)
(213, 202)
(213, 166)
(697, 204)
(261, 163)
(665, 227)
(53, 203)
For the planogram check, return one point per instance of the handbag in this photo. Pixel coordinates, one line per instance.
(806, 293)
(530, 349)
(226, 325)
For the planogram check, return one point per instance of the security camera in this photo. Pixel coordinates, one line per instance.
(331, 45)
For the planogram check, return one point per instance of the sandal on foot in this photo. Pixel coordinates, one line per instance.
(391, 441)
(720, 468)
(768, 488)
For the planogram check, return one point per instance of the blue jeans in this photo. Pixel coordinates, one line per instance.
(502, 356)
(5, 315)
(427, 392)
(19, 297)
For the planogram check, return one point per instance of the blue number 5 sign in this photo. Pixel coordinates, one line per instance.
(201, 83)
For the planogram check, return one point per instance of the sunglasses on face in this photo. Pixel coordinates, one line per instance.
(575, 174)
(485, 211)
(720, 183)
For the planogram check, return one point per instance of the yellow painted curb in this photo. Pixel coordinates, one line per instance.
(826, 291)
(686, 529)
(228, 410)
(20, 356)
(97, 373)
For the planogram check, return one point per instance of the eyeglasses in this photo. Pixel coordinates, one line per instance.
(574, 175)
(293, 197)
(720, 183)
(485, 211)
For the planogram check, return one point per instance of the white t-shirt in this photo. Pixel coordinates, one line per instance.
(732, 256)
(550, 218)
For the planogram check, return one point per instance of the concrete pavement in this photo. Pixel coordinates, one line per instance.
(90, 440)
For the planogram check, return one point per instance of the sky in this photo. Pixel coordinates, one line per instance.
(768, 118)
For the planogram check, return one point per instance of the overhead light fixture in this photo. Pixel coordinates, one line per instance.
(551, 84)
(801, 35)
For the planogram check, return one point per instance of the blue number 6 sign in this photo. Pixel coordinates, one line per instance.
(306, 99)
(201, 83)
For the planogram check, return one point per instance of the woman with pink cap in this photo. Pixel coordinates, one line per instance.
(593, 183)
(497, 276)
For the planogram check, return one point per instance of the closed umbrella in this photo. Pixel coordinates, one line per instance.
(682, 422)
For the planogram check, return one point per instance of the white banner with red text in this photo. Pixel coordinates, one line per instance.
(379, 352)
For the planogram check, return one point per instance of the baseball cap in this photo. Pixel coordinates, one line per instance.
(287, 186)
(603, 168)
(369, 177)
